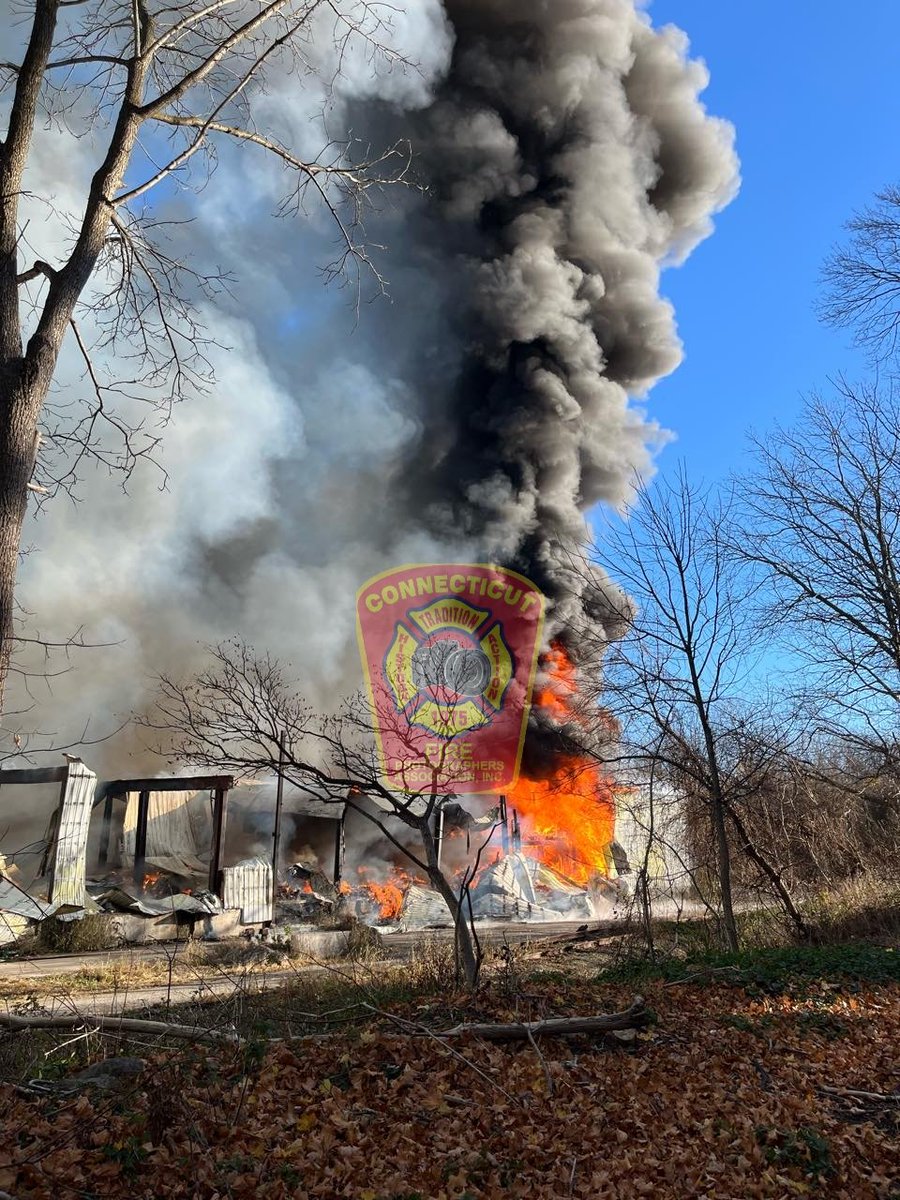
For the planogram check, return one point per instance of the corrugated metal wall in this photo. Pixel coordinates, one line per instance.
(68, 868)
(248, 886)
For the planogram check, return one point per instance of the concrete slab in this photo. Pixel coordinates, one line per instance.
(316, 943)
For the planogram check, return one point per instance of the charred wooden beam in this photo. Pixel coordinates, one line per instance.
(35, 775)
(105, 831)
(218, 837)
(183, 783)
(339, 845)
(140, 839)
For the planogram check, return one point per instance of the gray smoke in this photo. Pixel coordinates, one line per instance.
(566, 159)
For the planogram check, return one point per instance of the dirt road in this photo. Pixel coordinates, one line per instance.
(217, 980)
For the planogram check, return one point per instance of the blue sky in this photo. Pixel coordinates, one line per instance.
(812, 89)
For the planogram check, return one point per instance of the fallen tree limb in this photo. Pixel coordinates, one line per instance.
(631, 1018)
(414, 1027)
(855, 1094)
(117, 1025)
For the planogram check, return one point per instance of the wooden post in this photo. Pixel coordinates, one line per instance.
(140, 841)
(339, 850)
(105, 831)
(438, 834)
(504, 827)
(218, 838)
(276, 837)
(516, 832)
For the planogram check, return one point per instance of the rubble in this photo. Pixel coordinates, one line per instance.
(197, 904)
(18, 911)
(162, 873)
(515, 887)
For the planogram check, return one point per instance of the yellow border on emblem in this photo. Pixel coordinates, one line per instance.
(532, 671)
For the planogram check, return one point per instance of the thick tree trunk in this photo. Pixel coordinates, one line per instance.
(465, 943)
(723, 864)
(19, 406)
(24, 379)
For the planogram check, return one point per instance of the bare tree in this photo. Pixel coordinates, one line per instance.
(831, 810)
(862, 278)
(163, 85)
(233, 716)
(674, 681)
(824, 524)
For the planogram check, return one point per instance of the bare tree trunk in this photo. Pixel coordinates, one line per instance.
(18, 444)
(770, 873)
(465, 943)
(717, 803)
(644, 873)
(723, 870)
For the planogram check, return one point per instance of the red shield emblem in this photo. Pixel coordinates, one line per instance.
(449, 652)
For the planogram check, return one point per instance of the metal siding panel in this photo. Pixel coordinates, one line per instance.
(71, 840)
(248, 886)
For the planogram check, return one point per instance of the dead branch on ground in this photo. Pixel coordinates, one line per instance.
(117, 1025)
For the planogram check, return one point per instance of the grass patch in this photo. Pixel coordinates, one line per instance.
(862, 908)
(193, 962)
(96, 931)
(769, 970)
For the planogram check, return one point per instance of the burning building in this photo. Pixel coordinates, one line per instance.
(566, 158)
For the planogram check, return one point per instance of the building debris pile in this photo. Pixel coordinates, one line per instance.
(160, 869)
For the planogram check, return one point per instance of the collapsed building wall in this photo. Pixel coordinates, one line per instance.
(179, 832)
(165, 850)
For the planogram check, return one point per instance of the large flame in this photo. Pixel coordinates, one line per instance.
(388, 894)
(567, 819)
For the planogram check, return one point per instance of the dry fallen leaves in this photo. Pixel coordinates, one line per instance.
(723, 1098)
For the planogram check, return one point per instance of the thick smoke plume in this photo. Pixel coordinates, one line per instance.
(567, 159)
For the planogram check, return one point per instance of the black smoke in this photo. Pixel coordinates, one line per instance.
(566, 158)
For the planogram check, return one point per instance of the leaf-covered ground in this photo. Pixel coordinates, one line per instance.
(723, 1097)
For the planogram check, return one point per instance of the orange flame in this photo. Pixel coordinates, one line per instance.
(558, 694)
(388, 894)
(388, 897)
(568, 819)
